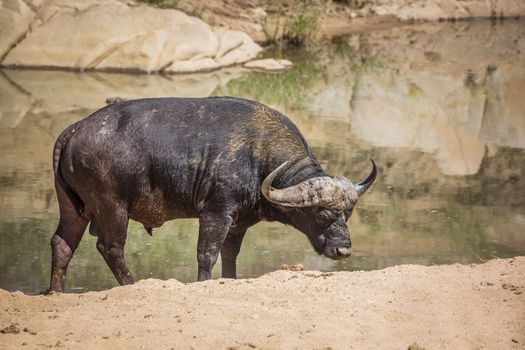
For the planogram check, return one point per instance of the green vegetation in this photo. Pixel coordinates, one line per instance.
(302, 27)
(299, 26)
(356, 4)
(284, 89)
(163, 3)
(290, 88)
(415, 92)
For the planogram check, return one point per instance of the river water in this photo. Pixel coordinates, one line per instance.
(440, 108)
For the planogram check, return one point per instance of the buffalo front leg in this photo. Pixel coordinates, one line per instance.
(230, 250)
(112, 234)
(213, 229)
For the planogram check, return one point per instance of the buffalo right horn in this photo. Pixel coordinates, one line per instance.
(323, 191)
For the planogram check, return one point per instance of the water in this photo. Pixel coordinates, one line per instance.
(440, 108)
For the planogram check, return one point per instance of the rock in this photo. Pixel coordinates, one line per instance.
(109, 35)
(297, 267)
(269, 64)
(34, 4)
(235, 47)
(15, 18)
(200, 65)
(12, 328)
(27, 330)
(285, 63)
(259, 13)
(440, 9)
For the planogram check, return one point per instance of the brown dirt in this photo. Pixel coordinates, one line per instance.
(402, 307)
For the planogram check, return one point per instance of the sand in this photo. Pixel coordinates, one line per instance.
(438, 307)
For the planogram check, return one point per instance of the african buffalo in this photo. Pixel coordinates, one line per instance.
(229, 162)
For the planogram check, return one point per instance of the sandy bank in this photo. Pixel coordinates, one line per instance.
(439, 307)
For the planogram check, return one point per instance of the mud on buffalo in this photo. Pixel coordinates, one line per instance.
(228, 162)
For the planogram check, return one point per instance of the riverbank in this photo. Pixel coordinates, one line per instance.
(269, 20)
(438, 307)
(199, 36)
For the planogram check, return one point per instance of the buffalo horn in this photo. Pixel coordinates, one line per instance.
(323, 191)
(365, 184)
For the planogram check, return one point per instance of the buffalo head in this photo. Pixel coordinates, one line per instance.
(320, 207)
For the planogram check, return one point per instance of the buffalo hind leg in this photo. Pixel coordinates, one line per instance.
(112, 233)
(230, 250)
(213, 229)
(63, 244)
(65, 241)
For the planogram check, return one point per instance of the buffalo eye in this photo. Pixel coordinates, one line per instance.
(348, 214)
(326, 217)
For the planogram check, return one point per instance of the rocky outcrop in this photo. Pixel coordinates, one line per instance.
(269, 64)
(15, 18)
(446, 9)
(265, 20)
(113, 36)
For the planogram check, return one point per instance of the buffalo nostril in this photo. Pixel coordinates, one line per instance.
(344, 251)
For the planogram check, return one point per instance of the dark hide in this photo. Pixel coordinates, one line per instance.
(155, 160)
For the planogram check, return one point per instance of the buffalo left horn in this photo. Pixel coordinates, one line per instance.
(336, 193)
(366, 183)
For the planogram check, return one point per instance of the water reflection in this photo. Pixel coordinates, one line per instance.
(439, 107)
